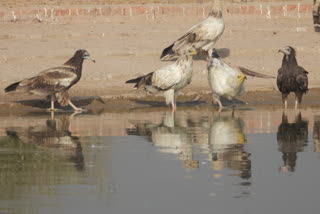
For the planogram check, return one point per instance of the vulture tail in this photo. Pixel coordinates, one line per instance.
(142, 81)
(12, 87)
(167, 52)
(248, 72)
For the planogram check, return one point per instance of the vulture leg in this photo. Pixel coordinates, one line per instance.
(285, 101)
(174, 106)
(298, 100)
(74, 107)
(52, 103)
(219, 102)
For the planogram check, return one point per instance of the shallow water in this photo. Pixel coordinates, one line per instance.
(256, 160)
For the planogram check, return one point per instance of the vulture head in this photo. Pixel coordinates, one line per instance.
(289, 54)
(288, 50)
(78, 58)
(81, 53)
(215, 54)
(216, 9)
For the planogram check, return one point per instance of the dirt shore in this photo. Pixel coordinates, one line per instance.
(126, 47)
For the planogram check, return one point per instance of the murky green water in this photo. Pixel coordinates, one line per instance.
(193, 161)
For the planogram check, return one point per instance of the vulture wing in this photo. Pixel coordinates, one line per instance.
(166, 77)
(53, 79)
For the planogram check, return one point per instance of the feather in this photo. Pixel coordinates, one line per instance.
(169, 79)
(224, 80)
(248, 72)
(54, 82)
(202, 36)
(291, 77)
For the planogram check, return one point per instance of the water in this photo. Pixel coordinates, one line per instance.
(152, 161)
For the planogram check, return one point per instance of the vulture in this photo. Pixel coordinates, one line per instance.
(226, 139)
(291, 77)
(55, 133)
(225, 80)
(55, 82)
(169, 79)
(202, 36)
(292, 138)
(316, 15)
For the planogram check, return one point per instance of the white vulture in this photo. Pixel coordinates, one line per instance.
(226, 139)
(225, 80)
(201, 37)
(169, 79)
(55, 82)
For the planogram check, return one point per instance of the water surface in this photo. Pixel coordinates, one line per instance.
(256, 160)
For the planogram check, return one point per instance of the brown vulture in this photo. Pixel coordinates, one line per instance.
(55, 82)
(291, 77)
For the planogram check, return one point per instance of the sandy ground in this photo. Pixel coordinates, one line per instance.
(125, 47)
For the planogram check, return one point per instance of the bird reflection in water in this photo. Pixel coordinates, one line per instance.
(222, 140)
(54, 134)
(226, 140)
(292, 138)
(316, 134)
(170, 136)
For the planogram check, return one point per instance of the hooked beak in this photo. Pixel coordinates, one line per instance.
(193, 52)
(89, 57)
(283, 51)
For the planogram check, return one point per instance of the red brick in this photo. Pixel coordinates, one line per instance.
(2, 14)
(83, 11)
(305, 8)
(106, 11)
(174, 10)
(119, 11)
(291, 8)
(73, 11)
(138, 10)
(207, 9)
(64, 12)
(243, 9)
(192, 11)
(199, 11)
(18, 12)
(94, 12)
(30, 12)
(233, 9)
(251, 10)
(276, 9)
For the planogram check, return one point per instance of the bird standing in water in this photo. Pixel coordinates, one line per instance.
(169, 79)
(291, 77)
(225, 80)
(55, 82)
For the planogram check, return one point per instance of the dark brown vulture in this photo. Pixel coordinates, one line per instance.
(55, 82)
(316, 15)
(291, 77)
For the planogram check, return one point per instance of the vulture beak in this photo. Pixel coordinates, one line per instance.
(284, 51)
(88, 57)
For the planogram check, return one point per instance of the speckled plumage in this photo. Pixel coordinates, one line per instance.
(169, 79)
(55, 82)
(201, 37)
